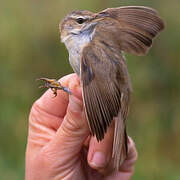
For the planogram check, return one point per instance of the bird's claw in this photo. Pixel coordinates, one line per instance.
(54, 85)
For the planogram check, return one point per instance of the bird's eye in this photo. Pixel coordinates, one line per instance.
(80, 20)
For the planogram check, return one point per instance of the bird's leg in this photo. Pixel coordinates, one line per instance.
(54, 85)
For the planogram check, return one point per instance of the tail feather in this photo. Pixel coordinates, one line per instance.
(120, 147)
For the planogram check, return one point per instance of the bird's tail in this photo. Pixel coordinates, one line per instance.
(120, 147)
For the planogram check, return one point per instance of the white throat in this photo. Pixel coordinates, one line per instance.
(75, 45)
(76, 41)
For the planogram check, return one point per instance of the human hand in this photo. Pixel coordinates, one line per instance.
(59, 143)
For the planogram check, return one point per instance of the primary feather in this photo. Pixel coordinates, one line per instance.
(137, 26)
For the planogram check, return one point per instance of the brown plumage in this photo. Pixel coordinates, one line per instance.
(104, 75)
(95, 42)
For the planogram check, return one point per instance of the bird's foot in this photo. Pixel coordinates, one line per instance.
(54, 85)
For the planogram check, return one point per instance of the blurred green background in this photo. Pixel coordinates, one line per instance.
(30, 47)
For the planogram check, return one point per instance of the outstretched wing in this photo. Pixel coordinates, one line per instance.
(137, 26)
(104, 80)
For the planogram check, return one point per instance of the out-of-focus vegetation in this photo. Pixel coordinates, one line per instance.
(30, 47)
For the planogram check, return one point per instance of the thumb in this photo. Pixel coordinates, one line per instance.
(69, 139)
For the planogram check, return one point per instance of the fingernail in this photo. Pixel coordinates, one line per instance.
(75, 104)
(98, 160)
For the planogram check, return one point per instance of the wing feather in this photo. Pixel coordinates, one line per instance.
(106, 93)
(136, 28)
(101, 86)
(104, 76)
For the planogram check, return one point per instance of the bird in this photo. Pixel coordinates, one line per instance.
(96, 43)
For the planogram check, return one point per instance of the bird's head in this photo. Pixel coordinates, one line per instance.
(77, 23)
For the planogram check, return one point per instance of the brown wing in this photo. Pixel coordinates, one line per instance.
(137, 26)
(104, 76)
